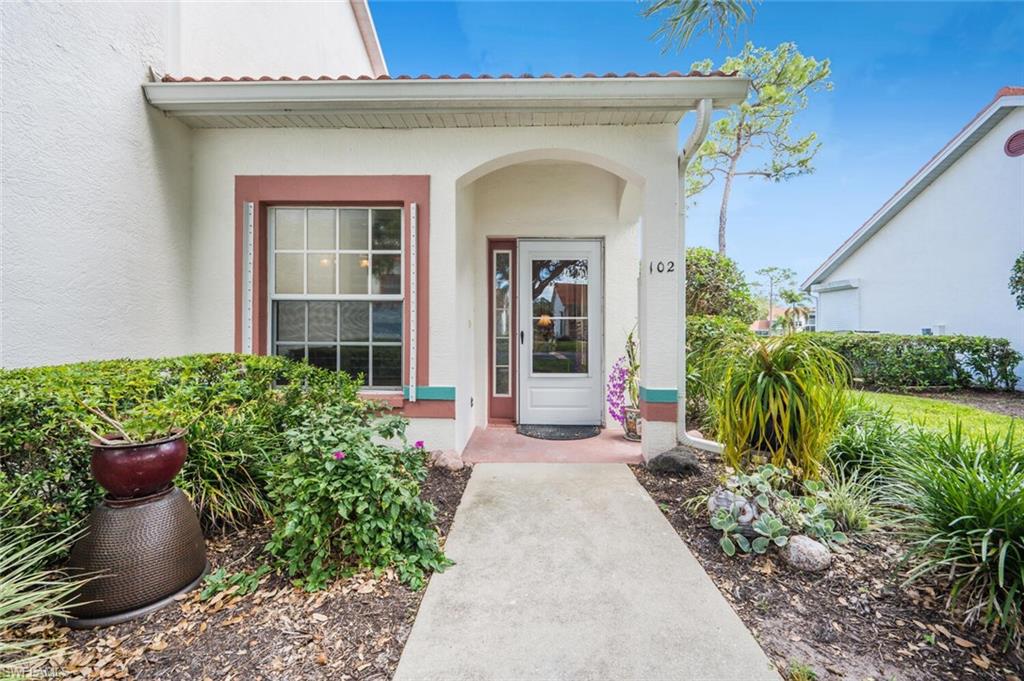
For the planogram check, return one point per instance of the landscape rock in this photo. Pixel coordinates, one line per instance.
(806, 554)
(447, 459)
(695, 434)
(678, 461)
(746, 510)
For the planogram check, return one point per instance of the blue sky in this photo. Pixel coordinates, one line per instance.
(907, 77)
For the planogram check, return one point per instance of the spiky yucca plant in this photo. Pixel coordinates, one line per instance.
(780, 399)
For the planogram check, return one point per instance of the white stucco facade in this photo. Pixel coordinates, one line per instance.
(95, 238)
(943, 262)
(515, 182)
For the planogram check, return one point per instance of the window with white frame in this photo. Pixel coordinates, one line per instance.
(336, 289)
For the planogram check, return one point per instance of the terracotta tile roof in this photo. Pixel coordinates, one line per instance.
(465, 76)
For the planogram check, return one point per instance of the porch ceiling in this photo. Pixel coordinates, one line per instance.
(441, 102)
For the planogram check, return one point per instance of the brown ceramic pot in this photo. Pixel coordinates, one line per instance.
(135, 469)
(631, 423)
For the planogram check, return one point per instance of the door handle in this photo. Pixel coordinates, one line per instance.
(522, 336)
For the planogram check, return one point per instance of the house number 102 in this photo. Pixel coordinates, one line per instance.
(663, 266)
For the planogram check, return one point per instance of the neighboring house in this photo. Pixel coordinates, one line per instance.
(764, 327)
(936, 257)
(239, 200)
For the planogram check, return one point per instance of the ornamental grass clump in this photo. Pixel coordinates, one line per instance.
(29, 590)
(961, 504)
(780, 401)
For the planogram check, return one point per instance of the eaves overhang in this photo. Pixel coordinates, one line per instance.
(451, 102)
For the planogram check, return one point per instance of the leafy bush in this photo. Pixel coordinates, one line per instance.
(705, 335)
(238, 583)
(1017, 281)
(716, 286)
(961, 502)
(29, 590)
(237, 407)
(866, 438)
(897, 361)
(762, 502)
(781, 400)
(341, 499)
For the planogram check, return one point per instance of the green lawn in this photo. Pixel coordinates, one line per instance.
(937, 414)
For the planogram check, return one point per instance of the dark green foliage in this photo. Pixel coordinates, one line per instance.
(703, 336)
(962, 507)
(867, 438)
(1017, 281)
(338, 492)
(715, 286)
(237, 406)
(897, 361)
(243, 583)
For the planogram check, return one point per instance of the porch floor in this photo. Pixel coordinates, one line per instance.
(502, 444)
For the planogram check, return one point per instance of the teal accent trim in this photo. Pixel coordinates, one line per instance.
(431, 392)
(658, 395)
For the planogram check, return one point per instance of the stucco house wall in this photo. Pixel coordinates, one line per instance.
(465, 206)
(96, 184)
(95, 251)
(944, 261)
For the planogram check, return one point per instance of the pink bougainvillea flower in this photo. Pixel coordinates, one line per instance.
(418, 444)
(339, 455)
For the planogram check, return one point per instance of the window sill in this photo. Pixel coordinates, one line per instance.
(394, 398)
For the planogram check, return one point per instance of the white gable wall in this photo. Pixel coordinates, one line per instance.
(270, 38)
(945, 259)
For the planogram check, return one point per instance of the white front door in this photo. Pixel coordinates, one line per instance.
(561, 337)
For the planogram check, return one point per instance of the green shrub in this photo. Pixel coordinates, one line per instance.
(716, 286)
(29, 590)
(781, 400)
(342, 499)
(961, 502)
(237, 407)
(897, 361)
(866, 438)
(704, 335)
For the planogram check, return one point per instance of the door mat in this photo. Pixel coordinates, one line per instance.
(558, 432)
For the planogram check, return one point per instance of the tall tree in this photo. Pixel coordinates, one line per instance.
(780, 82)
(775, 278)
(681, 20)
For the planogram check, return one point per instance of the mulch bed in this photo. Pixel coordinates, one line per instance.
(854, 621)
(355, 629)
(999, 402)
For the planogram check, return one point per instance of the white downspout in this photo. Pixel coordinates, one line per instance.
(693, 143)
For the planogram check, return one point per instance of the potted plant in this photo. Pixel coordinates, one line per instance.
(140, 455)
(624, 389)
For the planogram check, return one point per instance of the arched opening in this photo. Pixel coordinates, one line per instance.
(547, 259)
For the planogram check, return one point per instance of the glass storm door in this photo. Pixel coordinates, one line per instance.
(561, 332)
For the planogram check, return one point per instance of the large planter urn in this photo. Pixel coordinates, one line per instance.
(143, 545)
(129, 470)
(631, 423)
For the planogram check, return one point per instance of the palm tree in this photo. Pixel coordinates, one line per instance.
(684, 19)
(797, 308)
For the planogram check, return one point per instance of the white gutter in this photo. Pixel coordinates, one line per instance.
(693, 143)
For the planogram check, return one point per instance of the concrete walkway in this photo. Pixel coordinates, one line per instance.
(569, 571)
